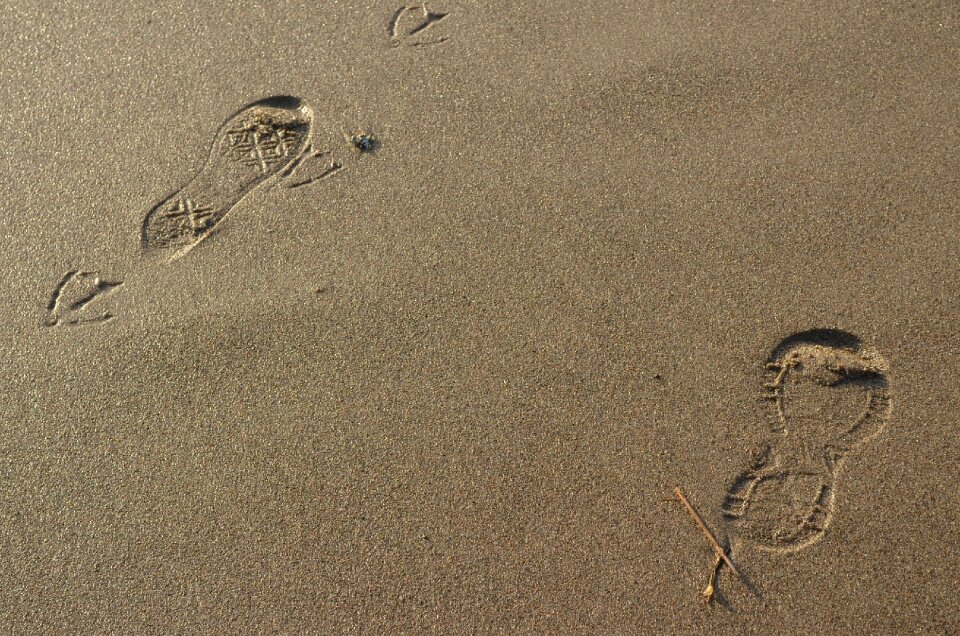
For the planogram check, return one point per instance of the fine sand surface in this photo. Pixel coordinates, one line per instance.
(448, 384)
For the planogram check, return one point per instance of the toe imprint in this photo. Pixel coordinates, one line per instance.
(830, 395)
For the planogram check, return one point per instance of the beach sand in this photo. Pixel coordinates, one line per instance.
(450, 386)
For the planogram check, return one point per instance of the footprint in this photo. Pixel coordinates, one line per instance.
(71, 299)
(329, 167)
(254, 144)
(411, 25)
(829, 395)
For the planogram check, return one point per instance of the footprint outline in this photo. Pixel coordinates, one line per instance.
(830, 358)
(254, 145)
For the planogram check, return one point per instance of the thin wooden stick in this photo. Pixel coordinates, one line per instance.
(706, 531)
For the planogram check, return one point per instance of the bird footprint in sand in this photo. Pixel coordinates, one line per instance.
(72, 297)
(829, 395)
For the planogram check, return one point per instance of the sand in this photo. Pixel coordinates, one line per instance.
(450, 386)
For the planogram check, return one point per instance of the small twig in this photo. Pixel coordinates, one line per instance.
(706, 531)
(710, 591)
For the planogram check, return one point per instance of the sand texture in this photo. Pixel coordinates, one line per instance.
(377, 318)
